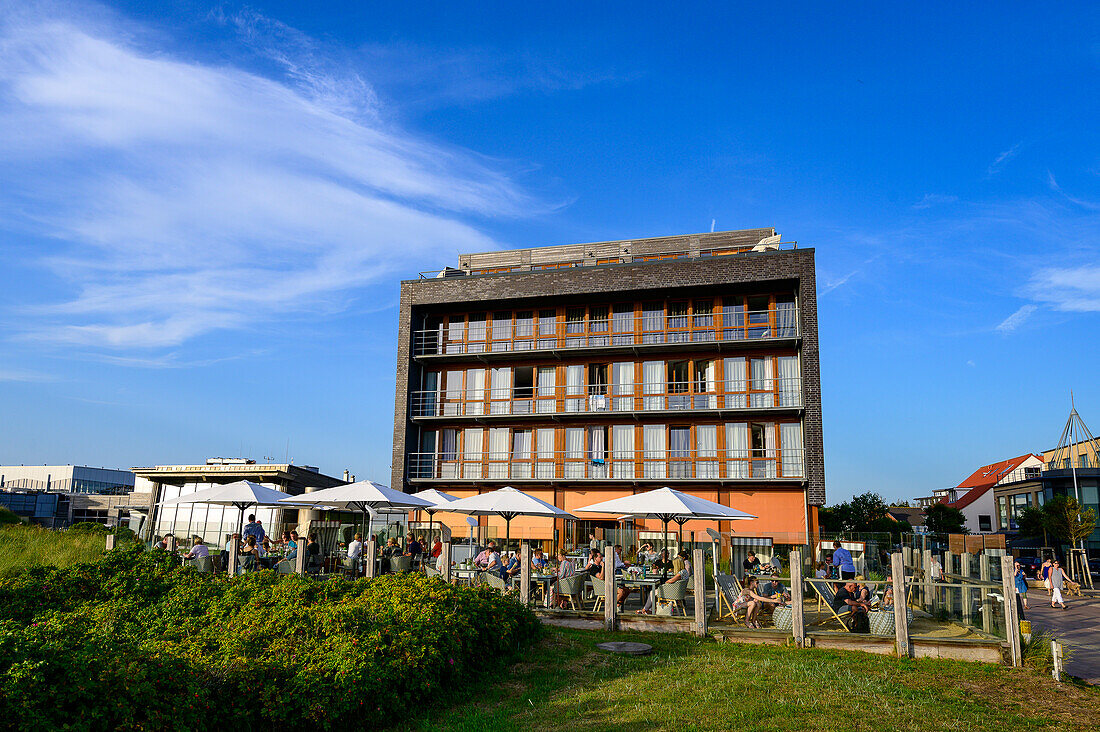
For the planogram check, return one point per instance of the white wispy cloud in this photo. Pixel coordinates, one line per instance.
(1053, 183)
(182, 198)
(1018, 318)
(1001, 160)
(1073, 289)
(934, 199)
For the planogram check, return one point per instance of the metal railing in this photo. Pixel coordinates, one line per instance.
(491, 336)
(729, 464)
(659, 396)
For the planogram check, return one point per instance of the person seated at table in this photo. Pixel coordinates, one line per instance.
(684, 573)
(539, 563)
(752, 601)
(413, 548)
(888, 595)
(822, 572)
(292, 545)
(355, 548)
(313, 551)
(482, 559)
(751, 564)
(863, 592)
(511, 567)
(775, 588)
(844, 598)
(594, 567)
(619, 563)
(248, 553)
(663, 564)
(494, 563)
(565, 569)
(437, 549)
(632, 554)
(198, 549)
(646, 554)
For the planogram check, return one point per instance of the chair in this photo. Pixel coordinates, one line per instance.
(400, 564)
(204, 564)
(728, 592)
(494, 580)
(571, 587)
(285, 566)
(674, 593)
(350, 567)
(825, 594)
(248, 564)
(599, 591)
(431, 571)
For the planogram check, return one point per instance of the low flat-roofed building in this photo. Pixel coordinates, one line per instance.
(65, 479)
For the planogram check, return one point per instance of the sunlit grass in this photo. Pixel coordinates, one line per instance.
(22, 545)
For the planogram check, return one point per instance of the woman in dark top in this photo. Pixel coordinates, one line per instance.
(663, 564)
(248, 553)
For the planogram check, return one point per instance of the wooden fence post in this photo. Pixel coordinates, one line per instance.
(371, 552)
(966, 569)
(949, 592)
(1012, 621)
(445, 558)
(929, 604)
(234, 555)
(611, 595)
(987, 601)
(300, 557)
(798, 622)
(110, 542)
(901, 607)
(525, 573)
(699, 577)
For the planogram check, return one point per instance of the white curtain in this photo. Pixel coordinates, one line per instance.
(448, 453)
(769, 449)
(452, 389)
(622, 444)
(622, 324)
(622, 380)
(547, 385)
(498, 452)
(521, 454)
(790, 386)
(471, 452)
(574, 388)
(790, 445)
(737, 450)
(574, 452)
(500, 392)
(734, 374)
(597, 452)
(762, 380)
(455, 330)
(654, 450)
(475, 391)
(653, 382)
(704, 382)
(544, 446)
(706, 455)
(786, 319)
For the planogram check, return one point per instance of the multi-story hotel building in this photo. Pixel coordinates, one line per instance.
(585, 372)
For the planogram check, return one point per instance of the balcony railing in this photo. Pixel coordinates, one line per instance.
(603, 398)
(491, 336)
(629, 465)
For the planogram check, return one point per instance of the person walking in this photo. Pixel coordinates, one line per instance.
(1020, 579)
(1044, 574)
(1057, 580)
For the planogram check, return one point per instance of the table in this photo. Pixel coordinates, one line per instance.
(544, 581)
(645, 585)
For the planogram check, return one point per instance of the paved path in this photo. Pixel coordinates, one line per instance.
(1078, 626)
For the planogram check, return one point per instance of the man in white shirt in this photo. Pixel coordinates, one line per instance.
(355, 548)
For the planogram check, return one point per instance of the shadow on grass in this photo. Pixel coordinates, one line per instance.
(563, 660)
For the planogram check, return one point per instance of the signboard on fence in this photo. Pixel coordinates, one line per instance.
(974, 543)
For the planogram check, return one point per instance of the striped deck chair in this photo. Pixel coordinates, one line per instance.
(728, 591)
(825, 594)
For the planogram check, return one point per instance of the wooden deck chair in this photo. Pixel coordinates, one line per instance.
(598, 590)
(825, 593)
(728, 592)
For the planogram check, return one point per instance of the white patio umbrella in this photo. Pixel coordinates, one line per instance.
(363, 495)
(666, 504)
(437, 499)
(242, 494)
(507, 503)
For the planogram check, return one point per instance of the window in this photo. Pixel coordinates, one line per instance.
(622, 386)
(521, 454)
(544, 456)
(789, 384)
(548, 329)
(786, 317)
(653, 321)
(574, 388)
(706, 451)
(475, 334)
(525, 382)
(654, 450)
(574, 327)
(985, 522)
(622, 325)
(525, 328)
(574, 452)
(500, 391)
(705, 385)
(677, 320)
(762, 449)
(703, 320)
(475, 391)
(758, 317)
(733, 370)
(597, 379)
(502, 331)
(679, 442)
(733, 319)
(678, 385)
(597, 452)
(622, 444)
(762, 385)
(547, 385)
(471, 452)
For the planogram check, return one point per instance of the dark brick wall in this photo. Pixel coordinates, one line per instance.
(653, 278)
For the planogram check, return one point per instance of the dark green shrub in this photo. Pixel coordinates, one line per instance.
(260, 650)
(7, 516)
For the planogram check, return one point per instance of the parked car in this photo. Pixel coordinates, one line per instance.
(1094, 566)
(1030, 565)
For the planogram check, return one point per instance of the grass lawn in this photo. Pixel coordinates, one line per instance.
(22, 545)
(564, 683)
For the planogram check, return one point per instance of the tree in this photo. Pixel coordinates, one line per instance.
(1034, 521)
(943, 519)
(1068, 521)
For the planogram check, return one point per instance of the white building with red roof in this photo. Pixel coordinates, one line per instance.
(974, 496)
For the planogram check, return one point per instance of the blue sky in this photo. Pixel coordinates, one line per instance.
(205, 209)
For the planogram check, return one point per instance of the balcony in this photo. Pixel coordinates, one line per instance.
(488, 338)
(586, 400)
(629, 466)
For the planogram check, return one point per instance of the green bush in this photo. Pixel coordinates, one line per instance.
(135, 642)
(7, 516)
